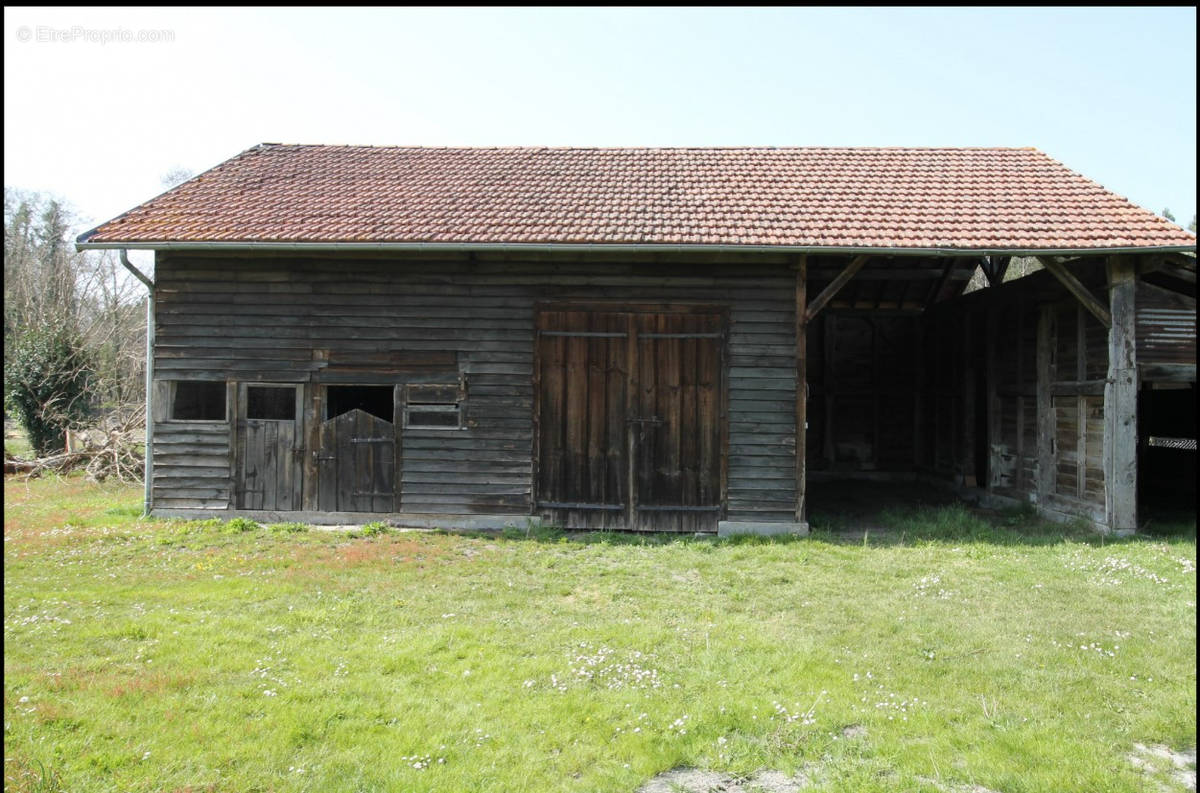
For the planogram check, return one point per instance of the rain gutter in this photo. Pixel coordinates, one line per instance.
(518, 247)
(149, 467)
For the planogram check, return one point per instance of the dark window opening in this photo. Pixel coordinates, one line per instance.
(431, 416)
(1166, 453)
(198, 401)
(433, 407)
(271, 403)
(373, 399)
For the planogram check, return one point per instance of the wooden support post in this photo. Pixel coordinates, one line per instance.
(1080, 291)
(835, 286)
(1120, 398)
(1047, 455)
(801, 388)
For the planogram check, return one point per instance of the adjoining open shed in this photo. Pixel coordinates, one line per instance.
(654, 339)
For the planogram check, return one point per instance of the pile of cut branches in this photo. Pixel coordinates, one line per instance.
(114, 449)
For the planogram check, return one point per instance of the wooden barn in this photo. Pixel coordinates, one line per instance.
(654, 339)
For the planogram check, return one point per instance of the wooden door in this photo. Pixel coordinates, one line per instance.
(269, 448)
(356, 464)
(676, 422)
(583, 368)
(629, 418)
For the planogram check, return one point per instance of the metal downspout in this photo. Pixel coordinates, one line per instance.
(149, 465)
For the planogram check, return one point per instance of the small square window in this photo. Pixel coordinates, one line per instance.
(434, 407)
(196, 400)
(271, 403)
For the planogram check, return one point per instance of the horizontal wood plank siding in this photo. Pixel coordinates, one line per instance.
(277, 319)
(192, 465)
(1166, 326)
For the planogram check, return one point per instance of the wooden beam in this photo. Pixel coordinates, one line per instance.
(801, 388)
(1167, 372)
(1068, 279)
(834, 287)
(1166, 268)
(817, 274)
(1120, 398)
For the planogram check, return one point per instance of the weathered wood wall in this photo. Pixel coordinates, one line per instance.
(1077, 368)
(293, 319)
(1166, 326)
(1046, 364)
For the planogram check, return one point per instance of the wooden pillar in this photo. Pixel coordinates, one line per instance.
(1047, 456)
(1120, 398)
(801, 389)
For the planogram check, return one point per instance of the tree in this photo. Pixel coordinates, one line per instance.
(72, 320)
(1192, 225)
(1167, 214)
(47, 379)
(175, 176)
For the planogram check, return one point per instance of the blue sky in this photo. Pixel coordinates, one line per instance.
(1109, 92)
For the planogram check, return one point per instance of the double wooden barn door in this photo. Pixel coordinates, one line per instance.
(630, 418)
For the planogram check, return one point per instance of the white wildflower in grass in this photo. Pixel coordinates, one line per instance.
(420, 761)
(805, 717)
(1087, 647)
(602, 667)
(928, 586)
(679, 726)
(1117, 570)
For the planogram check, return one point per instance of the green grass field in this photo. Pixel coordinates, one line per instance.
(953, 653)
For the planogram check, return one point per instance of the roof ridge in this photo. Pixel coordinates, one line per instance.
(536, 147)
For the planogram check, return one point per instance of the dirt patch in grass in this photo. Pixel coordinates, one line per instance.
(1161, 761)
(697, 780)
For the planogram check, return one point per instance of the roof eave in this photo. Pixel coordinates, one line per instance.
(615, 248)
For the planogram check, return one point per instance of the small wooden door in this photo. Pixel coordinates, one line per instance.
(356, 464)
(630, 418)
(269, 447)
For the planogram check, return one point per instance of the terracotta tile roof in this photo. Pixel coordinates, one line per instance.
(973, 199)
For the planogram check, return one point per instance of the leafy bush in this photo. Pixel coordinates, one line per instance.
(47, 377)
(238, 525)
(372, 529)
